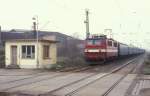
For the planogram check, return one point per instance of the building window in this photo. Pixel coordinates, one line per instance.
(45, 51)
(28, 51)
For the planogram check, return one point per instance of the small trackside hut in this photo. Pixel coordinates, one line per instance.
(27, 53)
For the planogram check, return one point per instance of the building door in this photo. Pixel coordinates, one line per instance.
(13, 54)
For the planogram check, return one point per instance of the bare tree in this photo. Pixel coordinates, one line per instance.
(2, 57)
(74, 51)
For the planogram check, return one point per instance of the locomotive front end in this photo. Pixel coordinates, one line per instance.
(95, 48)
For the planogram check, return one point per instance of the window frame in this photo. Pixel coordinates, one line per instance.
(115, 44)
(25, 54)
(46, 49)
(89, 42)
(94, 42)
(110, 44)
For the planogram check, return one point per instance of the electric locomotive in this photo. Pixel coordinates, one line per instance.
(100, 48)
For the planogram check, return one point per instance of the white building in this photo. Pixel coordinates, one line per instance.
(27, 53)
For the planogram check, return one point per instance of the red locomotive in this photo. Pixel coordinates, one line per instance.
(99, 47)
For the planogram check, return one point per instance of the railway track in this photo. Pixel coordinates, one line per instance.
(72, 92)
(34, 75)
(117, 82)
(38, 78)
(87, 80)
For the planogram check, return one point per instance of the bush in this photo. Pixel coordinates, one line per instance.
(146, 71)
(146, 67)
(55, 67)
(147, 63)
(148, 56)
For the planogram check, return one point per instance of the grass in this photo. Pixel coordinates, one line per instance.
(69, 64)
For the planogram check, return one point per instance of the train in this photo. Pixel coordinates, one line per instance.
(101, 48)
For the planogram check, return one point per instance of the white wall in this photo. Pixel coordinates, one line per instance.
(23, 63)
(46, 63)
(30, 63)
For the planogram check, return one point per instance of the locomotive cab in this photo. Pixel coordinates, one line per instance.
(94, 48)
(100, 48)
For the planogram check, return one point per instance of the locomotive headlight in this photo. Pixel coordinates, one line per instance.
(85, 50)
(93, 50)
(99, 50)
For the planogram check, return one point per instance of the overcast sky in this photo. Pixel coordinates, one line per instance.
(128, 19)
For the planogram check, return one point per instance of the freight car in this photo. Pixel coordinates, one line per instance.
(101, 48)
(126, 50)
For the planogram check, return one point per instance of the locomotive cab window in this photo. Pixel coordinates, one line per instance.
(94, 42)
(89, 42)
(109, 43)
(115, 44)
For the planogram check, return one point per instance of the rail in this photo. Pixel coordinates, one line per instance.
(74, 82)
(116, 83)
(40, 74)
(105, 75)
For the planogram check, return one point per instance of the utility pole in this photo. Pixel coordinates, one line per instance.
(36, 34)
(87, 23)
(34, 27)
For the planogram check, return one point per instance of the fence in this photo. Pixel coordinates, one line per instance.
(2, 58)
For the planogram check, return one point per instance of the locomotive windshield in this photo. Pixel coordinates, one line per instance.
(94, 42)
